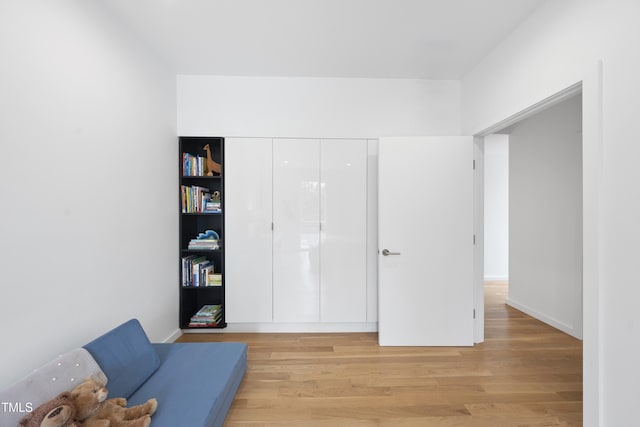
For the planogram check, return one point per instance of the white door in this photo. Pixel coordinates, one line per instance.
(296, 232)
(343, 239)
(248, 240)
(425, 235)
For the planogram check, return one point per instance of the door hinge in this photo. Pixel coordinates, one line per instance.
(474, 313)
(474, 164)
(474, 239)
(271, 226)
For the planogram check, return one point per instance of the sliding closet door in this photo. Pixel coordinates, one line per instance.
(343, 218)
(248, 241)
(296, 237)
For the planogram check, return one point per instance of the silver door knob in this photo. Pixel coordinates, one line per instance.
(387, 252)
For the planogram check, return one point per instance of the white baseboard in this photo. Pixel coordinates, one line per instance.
(174, 336)
(567, 329)
(290, 328)
(496, 278)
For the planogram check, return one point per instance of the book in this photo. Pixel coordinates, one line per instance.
(193, 165)
(209, 240)
(191, 275)
(209, 309)
(204, 244)
(208, 315)
(214, 279)
(195, 270)
(197, 199)
(186, 270)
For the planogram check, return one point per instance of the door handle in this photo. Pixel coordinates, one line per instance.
(387, 252)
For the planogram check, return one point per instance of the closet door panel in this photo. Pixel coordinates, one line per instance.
(248, 242)
(296, 212)
(343, 245)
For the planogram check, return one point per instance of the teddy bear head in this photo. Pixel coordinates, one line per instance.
(87, 397)
(58, 412)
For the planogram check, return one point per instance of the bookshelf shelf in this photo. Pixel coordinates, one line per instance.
(203, 265)
(201, 178)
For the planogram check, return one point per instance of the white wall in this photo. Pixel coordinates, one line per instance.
(496, 207)
(557, 46)
(316, 107)
(545, 215)
(87, 182)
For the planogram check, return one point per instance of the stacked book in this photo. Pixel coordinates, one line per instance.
(214, 279)
(212, 206)
(209, 244)
(208, 316)
(209, 240)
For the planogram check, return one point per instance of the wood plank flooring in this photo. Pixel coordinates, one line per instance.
(525, 374)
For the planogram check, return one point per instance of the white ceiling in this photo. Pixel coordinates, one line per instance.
(431, 39)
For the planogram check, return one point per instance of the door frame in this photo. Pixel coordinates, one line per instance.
(592, 177)
(478, 140)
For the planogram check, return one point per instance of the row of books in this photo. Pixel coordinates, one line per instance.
(198, 271)
(208, 316)
(193, 165)
(196, 199)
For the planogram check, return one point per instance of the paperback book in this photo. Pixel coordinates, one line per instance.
(196, 271)
(208, 316)
(197, 199)
(193, 165)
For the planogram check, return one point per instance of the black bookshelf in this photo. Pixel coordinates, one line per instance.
(201, 207)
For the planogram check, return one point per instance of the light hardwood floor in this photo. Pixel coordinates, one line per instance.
(525, 374)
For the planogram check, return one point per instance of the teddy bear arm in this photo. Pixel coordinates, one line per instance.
(120, 401)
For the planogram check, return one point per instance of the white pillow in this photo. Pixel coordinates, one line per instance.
(61, 374)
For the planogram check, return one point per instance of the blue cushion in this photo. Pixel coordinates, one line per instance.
(196, 383)
(126, 357)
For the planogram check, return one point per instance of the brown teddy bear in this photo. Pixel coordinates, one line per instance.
(58, 412)
(94, 410)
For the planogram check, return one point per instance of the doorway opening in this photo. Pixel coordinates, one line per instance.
(592, 151)
(533, 214)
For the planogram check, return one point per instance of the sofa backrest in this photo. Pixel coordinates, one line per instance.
(126, 356)
(61, 374)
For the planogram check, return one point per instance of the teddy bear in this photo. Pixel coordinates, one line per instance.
(58, 412)
(94, 410)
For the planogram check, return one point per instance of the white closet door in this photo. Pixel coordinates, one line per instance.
(343, 217)
(248, 240)
(296, 211)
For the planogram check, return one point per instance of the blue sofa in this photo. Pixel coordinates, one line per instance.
(195, 383)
